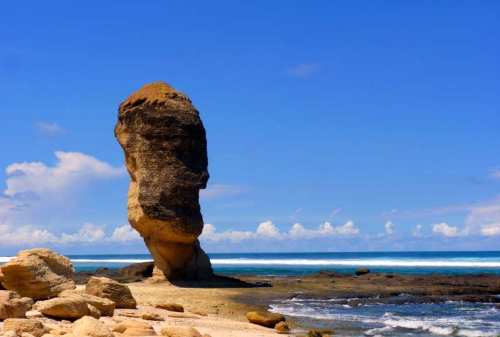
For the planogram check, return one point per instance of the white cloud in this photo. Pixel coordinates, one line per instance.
(268, 230)
(347, 229)
(6, 207)
(125, 233)
(303, 70)
(24, 235)
(71, 168)
(389, 228)
(88, 233)
(491, 229)
(49, 128)
(210, 234)
(484, 218)
(417, 231)
(221, 190)
(445, 230)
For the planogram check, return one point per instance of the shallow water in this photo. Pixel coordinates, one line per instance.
(380, 319)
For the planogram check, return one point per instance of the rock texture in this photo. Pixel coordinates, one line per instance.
(165, 148)
(90, 327)
(38, 273)
(179, 331)
(66, 308)
(265, 318)
(134, 328)
(107, 288)
(22, 325)
(105, 306)
(12, 305)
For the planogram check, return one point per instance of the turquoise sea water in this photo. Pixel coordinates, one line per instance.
(374, 319)
(304, 263)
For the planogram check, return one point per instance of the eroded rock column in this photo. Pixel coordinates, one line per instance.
(165, 148)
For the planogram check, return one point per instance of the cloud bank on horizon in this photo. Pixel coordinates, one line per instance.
(32, 183)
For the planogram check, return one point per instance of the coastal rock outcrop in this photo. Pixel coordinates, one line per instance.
(107, 288)
(13, 306)
(165, 148)
(38, 273)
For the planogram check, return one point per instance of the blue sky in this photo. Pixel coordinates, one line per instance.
(332, 126)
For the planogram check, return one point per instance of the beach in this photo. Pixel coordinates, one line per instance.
(438, 294)
(397, 295)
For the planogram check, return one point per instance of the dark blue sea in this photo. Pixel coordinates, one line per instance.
(374, 319)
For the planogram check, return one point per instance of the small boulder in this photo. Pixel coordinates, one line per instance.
(13, 306)
(24, 325)
(107, 288)
(170, 307)
(151, 316)
(265, 318)
(282, 327)
(90, 327)
(134, 328)
(63, 308)
(38, 274)
(180, 331)
(34, 314)
(362, 271)
(105, 306)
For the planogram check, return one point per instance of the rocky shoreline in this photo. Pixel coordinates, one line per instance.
(45, 298)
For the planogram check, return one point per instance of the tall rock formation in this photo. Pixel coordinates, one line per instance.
(165, 148)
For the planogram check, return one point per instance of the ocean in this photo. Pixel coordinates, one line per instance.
(374, 319)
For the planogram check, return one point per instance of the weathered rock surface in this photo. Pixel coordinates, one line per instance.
(265, 318)
(38, 273)
(1, 279)
(170, 307)
(165, 149)
(282, 327)
(23, 325)
(105, 306)
(13, 306)
(65, 308)
(180, 331)
(134, 328)
(90, 327)
(107, 288)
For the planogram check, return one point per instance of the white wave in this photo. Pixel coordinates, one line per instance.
(413, 324)
(377, 331)
(358, 263)
(110, 260)
(475, 333)
(4, 259)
